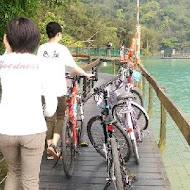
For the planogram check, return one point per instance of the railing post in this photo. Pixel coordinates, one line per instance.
(143, 87)
(162, 141)
(150, 101)
(113, 67)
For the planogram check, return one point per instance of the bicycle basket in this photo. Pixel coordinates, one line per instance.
(136, 75)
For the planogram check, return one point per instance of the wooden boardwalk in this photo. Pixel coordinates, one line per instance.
(90, 173)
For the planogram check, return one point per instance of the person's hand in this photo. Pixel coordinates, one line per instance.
(90, 76)
(43, 107)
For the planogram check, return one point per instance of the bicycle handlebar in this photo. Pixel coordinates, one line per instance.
(101, 89)
(78, 77)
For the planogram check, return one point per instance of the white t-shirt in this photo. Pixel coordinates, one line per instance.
(23, 77)
(61, 57)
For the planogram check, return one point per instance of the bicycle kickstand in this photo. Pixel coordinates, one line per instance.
(56, 162)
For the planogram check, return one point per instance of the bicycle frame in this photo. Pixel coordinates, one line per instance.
(72, 111)
(128, 120)
(72, 104)
(124, 79)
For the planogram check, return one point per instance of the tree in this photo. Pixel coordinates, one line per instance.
(11, 9)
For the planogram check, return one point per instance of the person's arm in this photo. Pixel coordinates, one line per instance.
(48, 89)
(80, 71)
(69, 61)
(50, 106)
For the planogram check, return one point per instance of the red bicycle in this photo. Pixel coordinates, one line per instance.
(72, 131)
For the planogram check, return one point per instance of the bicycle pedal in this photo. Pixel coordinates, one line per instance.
(132, 177)
(84, 144)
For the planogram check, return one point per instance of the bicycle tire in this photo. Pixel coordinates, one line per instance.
(116, 163)
(138, 96)
(135, 150)
(142, 122)
(68, 149)
(114, 84)
(97, 138)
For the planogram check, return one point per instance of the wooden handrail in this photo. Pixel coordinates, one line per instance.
(91, 65)
(182, 121)
(81, 56)
(88, 67)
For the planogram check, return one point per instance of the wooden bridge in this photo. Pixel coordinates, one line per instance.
(90, 173)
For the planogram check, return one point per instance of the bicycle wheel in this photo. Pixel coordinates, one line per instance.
(96, 136)
(119, 111)
(118, 182)
(135, 150)
(137, 97)
(68, 149)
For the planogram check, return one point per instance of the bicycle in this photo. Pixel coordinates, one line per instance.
(96, 129)
(125, 112)
(72, 131)
(122, 84)
(116, 146)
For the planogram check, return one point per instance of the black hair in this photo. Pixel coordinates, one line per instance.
(23, 35)
(52, 29)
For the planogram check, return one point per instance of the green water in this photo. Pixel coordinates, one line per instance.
(174, 75)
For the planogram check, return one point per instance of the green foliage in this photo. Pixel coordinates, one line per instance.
(170, 42)
(165, 23)
(15, 8)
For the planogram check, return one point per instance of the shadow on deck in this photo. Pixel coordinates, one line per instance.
(90, 171)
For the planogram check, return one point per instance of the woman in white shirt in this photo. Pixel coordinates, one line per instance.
(22, 125)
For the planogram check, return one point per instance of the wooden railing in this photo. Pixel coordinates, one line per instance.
(167, 105)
